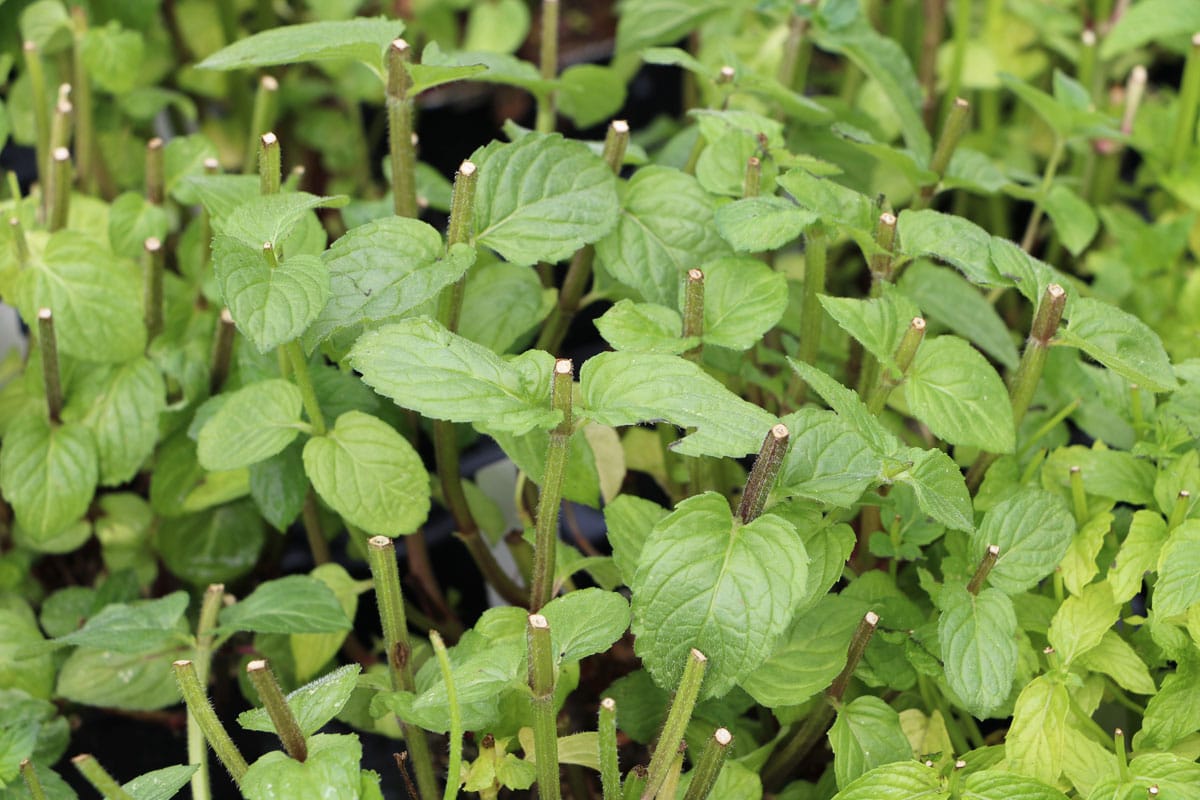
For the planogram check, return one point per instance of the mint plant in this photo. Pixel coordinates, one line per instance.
(876, 364)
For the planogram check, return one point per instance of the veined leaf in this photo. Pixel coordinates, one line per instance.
(866, 735)
(743, 299)
(1082, 621)
(134, 628)
(939, 487)
(877, 323)
(828, 460)
(955, 240)
(756, 224)
(644, 328)
(1033, 530)
(1178, 566)
(1119, 341)
(1035, 741)
(956, 392)
(979, 647)
(585, 622)
(253, 423)
(49, 474)
(314, 703)
(902, 781)
(362, 39)
(948, 298)
(295, 604)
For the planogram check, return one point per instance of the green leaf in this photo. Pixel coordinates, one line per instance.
(213, 546)
(132, 219)
(743, 299)
(272, 218)
(501, 304)
(878, 323)
(135, 628)
(1114, 474)
(1172, 774)
(629, 520)
(999, 784)
(727, 589)
(120, 404)
(1178, 565)
(313, 704)
(161, 784)
(589, 94)
(498, 68)
(939, 487)
(332, 765)
(498, 27)
(1115, 657)
(542, 197)
(128, 681)
(278, 485)
(643, 23)
(113, 57)
(47, 24)
(809, 655)
(367, 472)
(954, 390)
(1148, 22)
(362, 39)
(253, 423)
(849, 407)
(1138, 554)
(644, 328)
(183, 158)
(1119, 341)
(1174, 712)
(629, 388)
(866, 735)
(955, 240)
(49, 474)
(949, 299)
(979, 647)
(1036, 738)
(96, 299)
(221, 194)
(271, 305)
(828, 461)
(901, 781)
(1033, 530)
(428, 76)
(422, 366)
(758, 224)
(1079, 566)
(833, 203)
(382, 270)
(1082, 620)
(586, 622)
(664, 229)
(295, 604)
(1074, 220)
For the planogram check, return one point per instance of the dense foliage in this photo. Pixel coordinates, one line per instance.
(893, 428)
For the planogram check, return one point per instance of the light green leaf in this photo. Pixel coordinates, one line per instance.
(113, 57)
(644, 328)
(362, 39)
(161, 784)
(48, 474)
(423, 366)
(1079, 566)
(979, 647)
(664, 229)
(382, 270)
(1082, 620)
(311, 652)
(999, 784)
(1033, 530)
(271, 218)
(849, 407)
(1174, 712)
(833, 203)
(332, 765)
(939, 487)
(629, 520)
(134, 628)
(706, 581)
(757, 224)
(954, 390)
(743, 299)
(1074, 220)
(589, 94)
(1114, 474)
(313, 704)
(213, 546)
(253, 423)
(129, 681)
(1178, 565)
(498, 68)
(1119, 341)
(295, 604)
(643, 23)
(809, 655)
(1148, 22)
(878, 323)
(497, 27)
(1115, 657)
(120, 404)
(948, 298)
(132, 219)
(1036, 738)
(827, 461)
(586, 622)
(428, 76)
(1173, 775)
(183, 159)
(629, 388)
(542, 197)
(367, 472)
(1138, 554)
(866, 735)
(901, 781)
(501, 304)
(955, 240)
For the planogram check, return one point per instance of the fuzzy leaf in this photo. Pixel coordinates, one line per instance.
(955, 240)
(979, 647)
(49, 474)
(331, 767)
(956, 392)
(295, 604)
(253, 423)
(827, 461)
(1121, 342)
(743, 299)
(866, 735)
(849, 407)
(314, 703)
(135, 628)
(362, 39)
(1033, 530)
(1138, 554)
(757, 224)
(121, 404)
(878, 323)
(939, 486)
(644, 328)
(586, 622)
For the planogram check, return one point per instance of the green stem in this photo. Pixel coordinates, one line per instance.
(693, 313)
(610, 768)
(152, 291)
(957, 118)
(763, 474)
(60, 126)
(811, 313)
(269, 164)
(1122, 755)
(41, 110)
(984, 568)
(51, 380)
(401, 152)
(34, 784)
(1035, 218)
(99, 778)
(752, 184)
(206, 624)
(931, 39)
(381, 555)
(282, 717)
(880, 262)
(1188, 104)
(154, 171)
(1047, 426)
(262, 117)
(458, 231)
(670, 786)
(962, 36)
(635, 783)
(886, 381)
(214, 732)
(59, 189)
(1179, 512)
(311, 518)
(1078, 495)
(546, 114)
(675, 726)
(545, 724)
(704, 776)
(550, 500)
(81, 87)
(308, 392)
(454, 770)
(222, 353)
(797, 52)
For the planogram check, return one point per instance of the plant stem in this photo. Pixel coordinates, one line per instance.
(549, 66)
(1078, 495)
(858, 646)
(763, 474)
(678, 717)
(154, 171)
(262, 117)
(81, 85)
(545, 724)
(635, 783)
(41, 111)
(1179, 511)
(269, 164)
(1047, 426)
(48, 346)
(550, 500)
(906, 351)
(1188, 103)
(797, 51)
(811, 313)
(931, 40)
(381, 555)
(579, 273)
(304, 383)
(753, 181)
(454, 770)
(207, 622)
(34, 784)
(880, 263)
(214, 732)
(152, 291)
(1035, 218)
(458, 231)
(311, 519)
(99, 778)
(670, 786)
(610, 768)
(286, 726)
(955, 126)
(962, 36)
(985, 567)
(400, 130)
(222, 351)
(693, 312)
(1122, 755)
(704, 776)
(60, 126)
(58, 189)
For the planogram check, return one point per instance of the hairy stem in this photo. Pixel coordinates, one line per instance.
(214, 732)
(610, 768)
(952, 131)
(152, 291)
(549, 65)
(678, 717)
(401, 152)
(545, 723)
(886, 380)
(454, 770)
(763, 474)
(99, 778)
(205, 625)
(550, 500)
(155, 180)
(308, 392)
(34, 784)
(984, 568)
(41, 110)
(269, 164)
(262, 117)
(693, 312)
(58, 189)
(51, 380)
(708, 768)
(282, 717)
(222, 353)
(1035, 218)
(811, 313)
